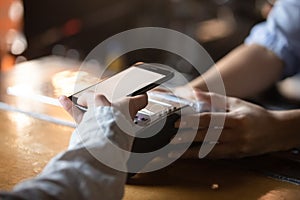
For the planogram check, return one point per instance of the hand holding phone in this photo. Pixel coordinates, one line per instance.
(135, 80)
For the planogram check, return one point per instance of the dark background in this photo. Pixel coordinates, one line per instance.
(82, 24)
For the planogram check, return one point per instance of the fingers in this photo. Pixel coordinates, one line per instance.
(217, 101)
(86, 99)
(137, 103)
(220, 151)
(202, 120)
(68, 105)
(230, 144)
(202, 96)
(101, 100)
(91, 99)
(206, 120)
(185, 136)
(129, 106)
(186, 92)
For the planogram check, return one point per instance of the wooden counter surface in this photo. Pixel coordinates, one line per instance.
(26, 145)
(205, 179)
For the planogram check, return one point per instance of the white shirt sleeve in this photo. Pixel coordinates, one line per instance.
(281, 34)
(78, 173)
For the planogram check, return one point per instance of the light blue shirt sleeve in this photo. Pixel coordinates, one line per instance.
(77, 173)
(281, 34)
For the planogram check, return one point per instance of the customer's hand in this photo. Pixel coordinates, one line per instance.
(128, 105)
(248, 129)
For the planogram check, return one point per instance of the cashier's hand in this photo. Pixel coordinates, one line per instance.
(248, 129)
(128, 105)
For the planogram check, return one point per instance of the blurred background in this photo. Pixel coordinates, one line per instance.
(42, 43)
(33, 29)
(69, 30)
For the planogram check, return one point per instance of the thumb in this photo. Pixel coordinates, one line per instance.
(129, 106)
(137, 103)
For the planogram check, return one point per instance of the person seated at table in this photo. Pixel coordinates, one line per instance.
(270, 53)
(77, 173)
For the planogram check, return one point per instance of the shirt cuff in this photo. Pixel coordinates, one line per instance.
(104, 124)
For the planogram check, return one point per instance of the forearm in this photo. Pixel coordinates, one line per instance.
(75, 174)
(79, 173)
(246, 71)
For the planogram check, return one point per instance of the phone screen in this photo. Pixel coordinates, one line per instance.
(124, 83)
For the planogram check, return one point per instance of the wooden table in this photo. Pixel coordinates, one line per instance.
(27, 144)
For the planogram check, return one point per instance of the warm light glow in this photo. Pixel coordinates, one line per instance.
(21, 121)
(65, 82)
(27, 92)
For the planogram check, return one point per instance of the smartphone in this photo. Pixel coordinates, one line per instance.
(135, 80)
